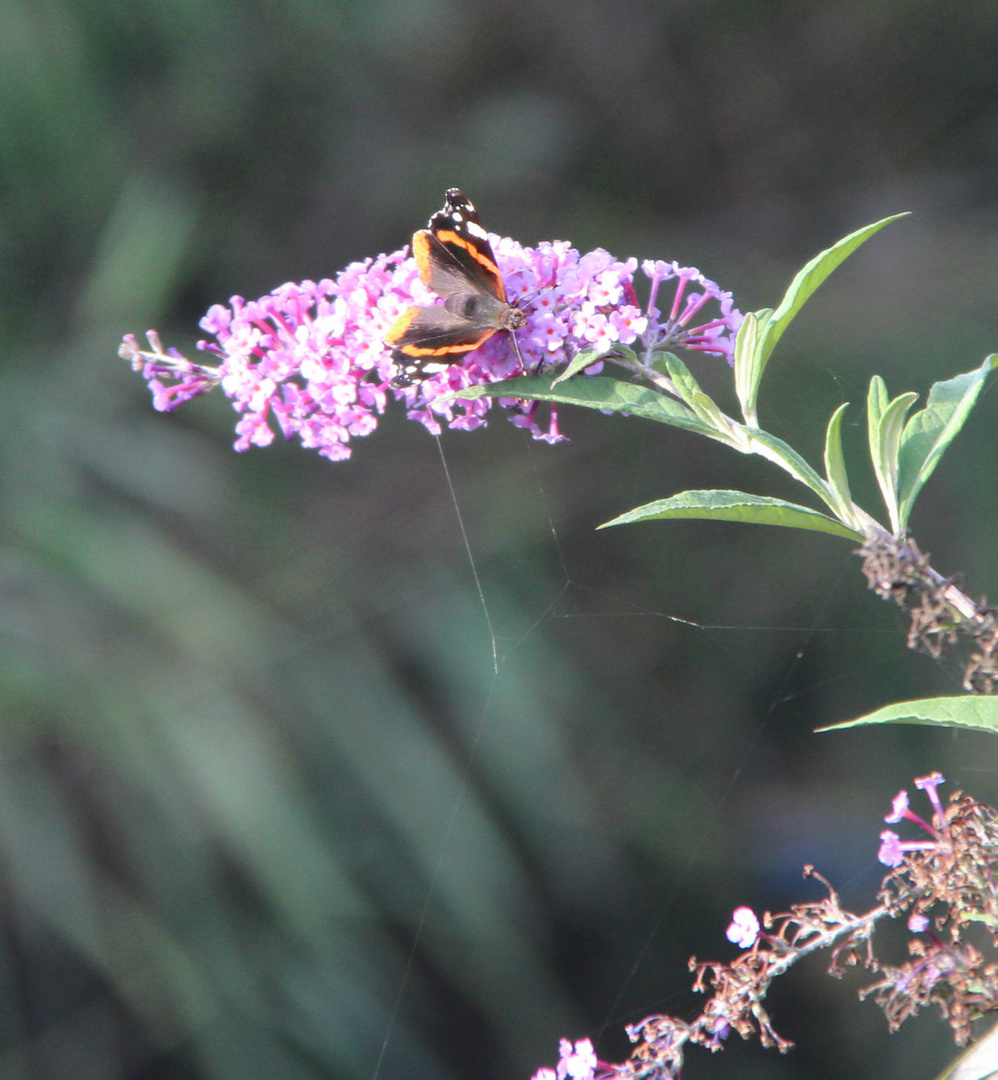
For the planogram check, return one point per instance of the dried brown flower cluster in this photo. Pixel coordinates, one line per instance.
(944, 885)
(941, 615)
(948, 888)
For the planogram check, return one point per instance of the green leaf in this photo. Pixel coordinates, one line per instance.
(967, 711)
(736, 506)
(885, 427)
(929, 432)
(801, 289)
(689, 389)
(783, 454)
(579, 362)
(835, 465)
(659, 358)
(748, 370)
(596, 392)
(876, 401)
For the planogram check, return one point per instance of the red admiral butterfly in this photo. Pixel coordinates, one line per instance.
(455, 260)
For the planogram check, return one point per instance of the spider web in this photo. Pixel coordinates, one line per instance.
(795, 685)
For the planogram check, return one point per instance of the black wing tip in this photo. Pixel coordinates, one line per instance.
(457, 200)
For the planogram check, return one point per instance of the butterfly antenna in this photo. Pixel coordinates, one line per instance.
(531, 296)
(516, 349)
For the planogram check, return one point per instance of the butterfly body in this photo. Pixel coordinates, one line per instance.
(455, 260)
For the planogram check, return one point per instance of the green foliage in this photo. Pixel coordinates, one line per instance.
(884, 422)
(751, 361)
(835, 466)
(977, 1062)
(702, 404)
(602, 393)
(748, 361)
(903, 455)
(966, 711)
(736, 506)
(579, 362)
(929, 432)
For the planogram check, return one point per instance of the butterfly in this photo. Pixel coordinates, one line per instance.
(455, 260)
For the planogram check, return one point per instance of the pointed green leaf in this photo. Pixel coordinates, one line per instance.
(876, 401)
(681, 375)
(929, 432)
(579, 362)
(748, 370)
(967, 711)
(835, 465)
(689, 389)
(596, 392)
(659, 358)
(804, 285)
(892, 425)
(736, 506)
(885, 442)
(782, 454)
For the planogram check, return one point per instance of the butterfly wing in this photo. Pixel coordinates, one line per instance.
(434, 331)
(455, 260)
(460, 233)
(449, 270)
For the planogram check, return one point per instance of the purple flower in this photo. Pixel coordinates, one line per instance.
(928, 784)
(716, 335)
(744, 928)
(900, 809)
(191, 379)
(578, 1062)
(719, 1030)
(890, 853)
(892, 848)
(309, 359)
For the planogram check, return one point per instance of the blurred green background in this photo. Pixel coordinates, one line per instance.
(265, 811)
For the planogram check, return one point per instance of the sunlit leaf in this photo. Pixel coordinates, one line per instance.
(596, 392)
(579, 362)
(885, 424)
(930, 431)
(801, 289)
(835, 465)
(702, 404)
(977, 1062)
(748, 369)
(776, 450)
(966, 711)
(736, 506)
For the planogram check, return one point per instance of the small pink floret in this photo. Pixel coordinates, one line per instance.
(310, 359)
(744, 928)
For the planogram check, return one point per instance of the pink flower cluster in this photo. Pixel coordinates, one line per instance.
(947, 888)
(577, 1061)
(892, 848)
(744, 928)
(310, 357)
